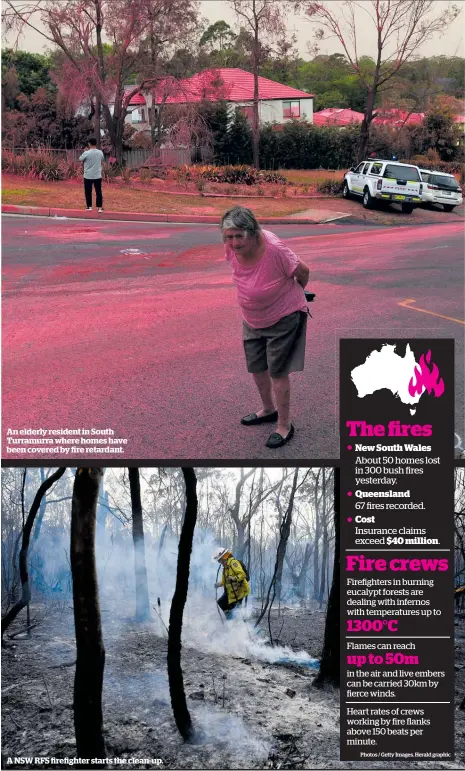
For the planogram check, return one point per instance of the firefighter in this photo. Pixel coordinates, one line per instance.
(233, 580)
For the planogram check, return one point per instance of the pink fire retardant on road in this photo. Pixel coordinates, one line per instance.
(267, 291)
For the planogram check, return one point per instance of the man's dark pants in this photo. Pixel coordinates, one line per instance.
(226, 606)
(98, 192)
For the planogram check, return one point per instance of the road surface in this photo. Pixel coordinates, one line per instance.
(148, 342)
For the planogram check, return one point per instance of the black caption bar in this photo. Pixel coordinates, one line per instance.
(397, 550)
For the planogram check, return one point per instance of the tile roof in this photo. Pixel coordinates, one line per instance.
(137, 98)
(229, 83)
(335, 116)
(394, 117)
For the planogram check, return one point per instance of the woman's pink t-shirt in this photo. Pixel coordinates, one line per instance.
(267, 291)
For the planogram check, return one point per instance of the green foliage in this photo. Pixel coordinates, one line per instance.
(238, 145)
(305, 146)
(32, 70)
(329, 187)
(215, 115)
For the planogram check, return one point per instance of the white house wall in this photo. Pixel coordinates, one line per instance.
(272, 110)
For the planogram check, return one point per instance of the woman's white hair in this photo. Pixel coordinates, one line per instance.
(242, 218)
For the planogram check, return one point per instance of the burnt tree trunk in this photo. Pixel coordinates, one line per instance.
(142, 590)
(23, 572)
(274, 588)
(325, 546)
(90, 653)
(284, 537)
(175, 676)
(330, 664)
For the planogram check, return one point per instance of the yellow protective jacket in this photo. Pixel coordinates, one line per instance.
(238, 587)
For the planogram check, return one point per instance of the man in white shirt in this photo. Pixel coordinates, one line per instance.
(93, 174)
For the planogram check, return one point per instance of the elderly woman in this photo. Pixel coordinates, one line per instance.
(270, 281)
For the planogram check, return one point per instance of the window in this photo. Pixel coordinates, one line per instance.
(376, 168)
(444, 181)
(291, 109)
(359, 168)
(404, 173)
(424, 176)
(365, 169)
(135, 116)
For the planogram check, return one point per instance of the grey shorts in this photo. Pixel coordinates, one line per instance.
(279, 348)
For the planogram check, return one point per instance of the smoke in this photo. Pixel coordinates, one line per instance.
(206, 629)
(204, 626)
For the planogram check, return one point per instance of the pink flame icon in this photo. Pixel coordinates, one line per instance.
(426, 378)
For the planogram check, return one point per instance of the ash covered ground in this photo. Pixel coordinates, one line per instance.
(252, 713)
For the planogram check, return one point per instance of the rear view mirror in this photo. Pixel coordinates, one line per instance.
(351, 168)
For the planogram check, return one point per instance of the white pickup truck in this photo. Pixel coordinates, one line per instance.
(378, 180)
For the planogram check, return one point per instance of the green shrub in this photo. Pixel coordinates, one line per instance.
(329, 187)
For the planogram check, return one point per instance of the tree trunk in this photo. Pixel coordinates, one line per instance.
(255, 116)
(175, 677)
(97, 122)
(330, 663)
(316, 556)
(142, 590)
(284, 537)
(325, 544)
(303, 572)
(274, 588)
(364, 137)
(90, 653)
(42, 507)
(23, 572)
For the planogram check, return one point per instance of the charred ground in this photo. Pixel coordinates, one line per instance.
(248, 713)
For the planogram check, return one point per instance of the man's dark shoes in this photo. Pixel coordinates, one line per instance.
(276, 440)
(254, 420)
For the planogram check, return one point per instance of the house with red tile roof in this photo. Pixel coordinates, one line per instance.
(278, 103)
(335, 116)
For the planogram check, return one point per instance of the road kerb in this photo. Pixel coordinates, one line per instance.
(144, 216)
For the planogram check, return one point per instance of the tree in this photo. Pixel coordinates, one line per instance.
(330, 663)
(176, 682)
(218, 35)
(142, 591)
(32, 70)
(274, 589)
(441, 132)
(265, 20)
(88, 71)
(90, 653)
(400, 26)
(23, 554)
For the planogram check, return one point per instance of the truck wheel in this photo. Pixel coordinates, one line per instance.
(407, 208)
(448, 207)
(345, 191)
(368, 200)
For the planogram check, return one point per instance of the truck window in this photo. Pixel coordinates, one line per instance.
(405, 173)
(365, 168)
(376, 168)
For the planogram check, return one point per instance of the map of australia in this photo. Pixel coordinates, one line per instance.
(406, 378)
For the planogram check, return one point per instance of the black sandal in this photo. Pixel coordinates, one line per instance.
(254, 420)
(276, 440)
